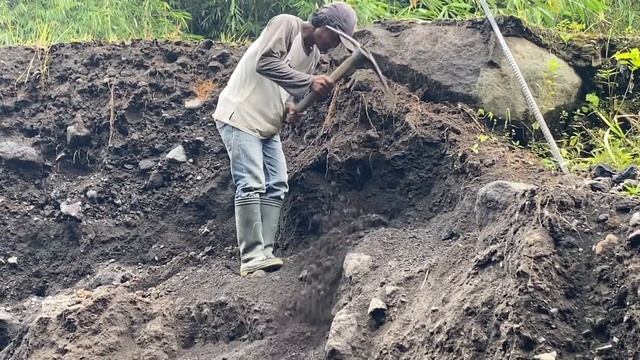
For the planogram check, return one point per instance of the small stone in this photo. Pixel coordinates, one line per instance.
(303, 275)
(356, 264)
(22, 154)
(73, 210)
(92, 195)
(629, 173)
(12, 260)
(208, 250)
(78, 135)
(547, 356)
(177, 154)
(391, 290)
(377, 311)
(146, 164)
(630, 183)
(435, 309)
(604, 349)
(342, 335)
(155, 180)
(600, 184)
(222, 55)
(159, 148)
(193, 103)
(206, 44)
(603, 171)
(606, 245)
(372, 135)
(215, 66)
(624, 204)
(635, 220)
(603, 217)
(634, 238)
(128, 166)
(259, 274)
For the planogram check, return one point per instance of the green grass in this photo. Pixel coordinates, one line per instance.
(30, 22)
(245, 18)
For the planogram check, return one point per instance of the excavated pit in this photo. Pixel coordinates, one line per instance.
(388, 201)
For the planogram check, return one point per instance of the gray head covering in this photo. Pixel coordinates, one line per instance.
(337, 16)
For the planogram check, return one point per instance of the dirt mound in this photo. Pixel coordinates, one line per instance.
(398, 240)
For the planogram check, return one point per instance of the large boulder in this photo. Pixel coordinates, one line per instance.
(463, 62)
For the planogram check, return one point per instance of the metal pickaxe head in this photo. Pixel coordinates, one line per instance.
(354, 46)
(359, 56)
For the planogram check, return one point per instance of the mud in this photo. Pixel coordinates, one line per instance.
(468, 268)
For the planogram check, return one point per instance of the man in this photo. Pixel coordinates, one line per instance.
(258, 97)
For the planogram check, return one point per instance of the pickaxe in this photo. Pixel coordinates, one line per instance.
(359, 56)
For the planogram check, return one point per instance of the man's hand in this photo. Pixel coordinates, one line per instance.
(322, 85)
(292, 115)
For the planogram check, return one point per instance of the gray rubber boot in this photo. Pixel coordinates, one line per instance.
(249, 231)
(270, 209)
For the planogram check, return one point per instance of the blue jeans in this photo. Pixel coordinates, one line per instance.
(258, 166)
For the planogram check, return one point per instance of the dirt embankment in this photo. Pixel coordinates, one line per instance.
(399, 242)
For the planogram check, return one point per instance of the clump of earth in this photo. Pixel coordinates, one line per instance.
(404, 236)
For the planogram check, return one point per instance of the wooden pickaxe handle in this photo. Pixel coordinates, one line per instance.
(356, 58)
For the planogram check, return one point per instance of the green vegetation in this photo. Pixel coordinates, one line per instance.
(244, 18)
(30, 22)
(615, 138)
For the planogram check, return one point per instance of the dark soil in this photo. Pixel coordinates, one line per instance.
(466, 271)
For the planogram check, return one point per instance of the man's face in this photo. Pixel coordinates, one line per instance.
(325, 39)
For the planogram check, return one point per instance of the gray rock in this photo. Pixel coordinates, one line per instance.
(604, 349)
(377, 311)
(215, 66)
(73, 210)
(598, 185)
(426, 56)
(603, 171)
(13, 260)
(177, 154)
(343, 337)
(634, 238)
(193, 103)
(629, 173)
(21, 154)
(546, 356)
(146, 164)
(9, 328)
(109, 276)
(356, 264)
(92, 195)
(603, 217)
(78, 135)
(632, 183)
(206, 44)
(635, 219)
(155, 180)
(304, 274)
(495, 197)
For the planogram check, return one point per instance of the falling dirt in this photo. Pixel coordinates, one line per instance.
(475, 250)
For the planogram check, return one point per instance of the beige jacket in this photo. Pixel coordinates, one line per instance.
(274, 68)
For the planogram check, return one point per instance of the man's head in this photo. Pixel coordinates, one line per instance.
(338, 15)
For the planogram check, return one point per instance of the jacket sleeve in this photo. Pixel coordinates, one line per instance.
(279, 35)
